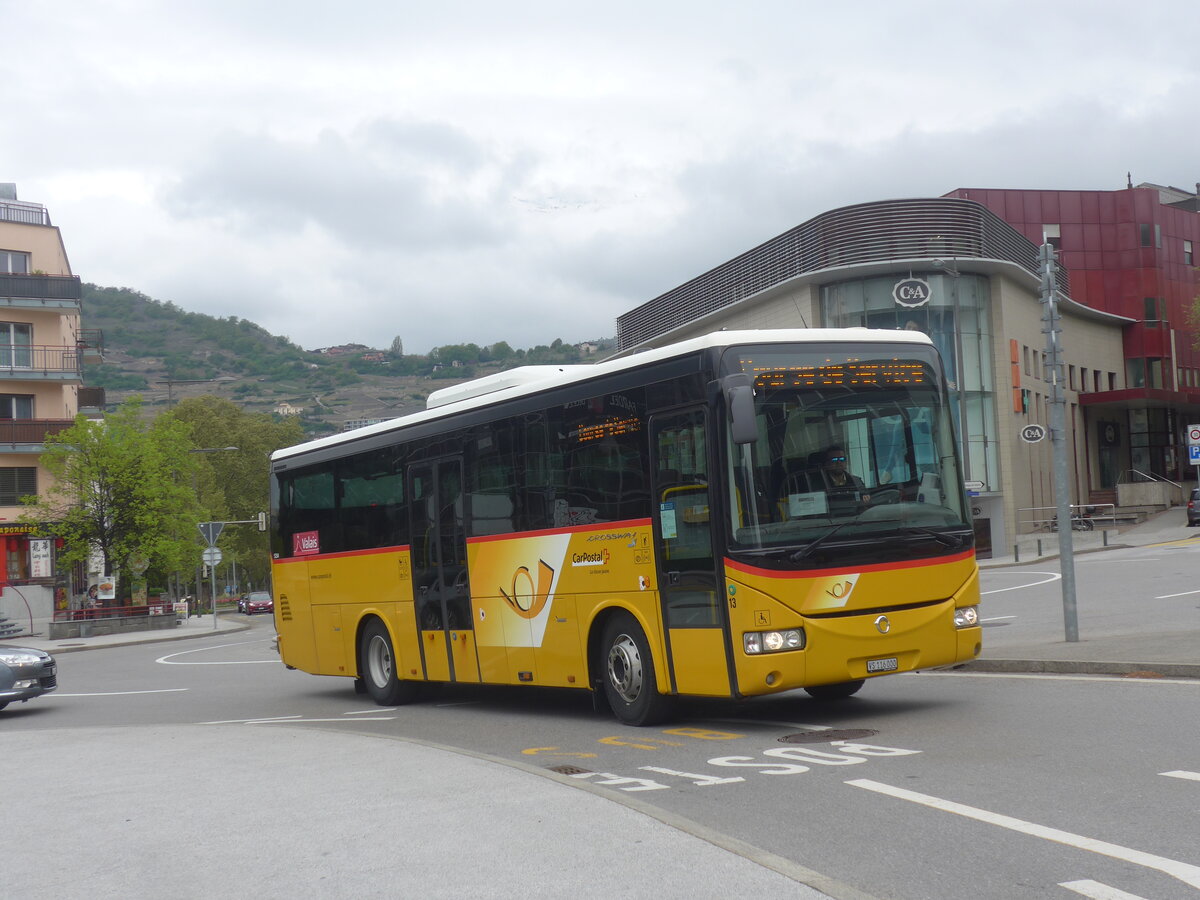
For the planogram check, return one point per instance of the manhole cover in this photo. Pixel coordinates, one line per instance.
(568, 770)
(824, 737)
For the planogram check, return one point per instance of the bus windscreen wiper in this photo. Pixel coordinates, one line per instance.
(950, 540)
(806, 551)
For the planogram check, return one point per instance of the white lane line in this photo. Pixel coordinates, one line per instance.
(1185, 872)
(299, 721)
(170, 658)
(1190, 776)
(1184, 594)
(120, 694)
(1055, 677)
(246, 721)
(1097, 891)
(772, 723)
(367, 712)
(996, 618)
(1053, 576)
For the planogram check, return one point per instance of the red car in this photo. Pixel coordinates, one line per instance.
(257, 602)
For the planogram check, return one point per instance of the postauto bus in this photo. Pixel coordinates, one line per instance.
(658, 525)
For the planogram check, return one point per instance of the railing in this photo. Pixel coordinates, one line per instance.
(1084, 517)
(1140, 477)
(92, 398)
(26, 360)
(153, 607)
(41, 287)
(23, 213)
(31, 431)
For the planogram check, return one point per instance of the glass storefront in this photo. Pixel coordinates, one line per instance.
(954, 311)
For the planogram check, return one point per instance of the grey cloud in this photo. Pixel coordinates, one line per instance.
(374, 188)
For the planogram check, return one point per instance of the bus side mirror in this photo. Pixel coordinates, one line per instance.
(739, 403)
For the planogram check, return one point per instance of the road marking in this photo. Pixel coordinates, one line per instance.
(367, 712)
(1097, 891)
(1185, 872)
(169, 659)
(1190, 776)
(773, 724)
(1054, 576)
(996, 618)
(555, 751)
(120, 694)
(1054, 677)
(1184, 594)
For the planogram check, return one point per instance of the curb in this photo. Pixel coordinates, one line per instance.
(1083, 667)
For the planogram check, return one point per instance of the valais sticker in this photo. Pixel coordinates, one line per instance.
(306, 543)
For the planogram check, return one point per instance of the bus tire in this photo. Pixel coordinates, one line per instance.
(838, 691)
(377, 668)
(630, 683)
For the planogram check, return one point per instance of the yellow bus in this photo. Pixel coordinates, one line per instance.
(740, 514)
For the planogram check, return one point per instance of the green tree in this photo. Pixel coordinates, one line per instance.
(122, 488)
(232, 485)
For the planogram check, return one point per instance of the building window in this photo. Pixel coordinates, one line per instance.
(16, 406)
(1052, 235)
(1083, 380)
(1071, 377)
(1112, 381)
(1025, 353)
(1187, 253)
(15, 483)
(1150, 309)
(14, 262)
(16, 338)
(1151, 235)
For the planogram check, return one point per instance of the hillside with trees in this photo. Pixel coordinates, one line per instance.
(165, 354)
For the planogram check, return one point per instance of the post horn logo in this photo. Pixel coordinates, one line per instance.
(529, 603)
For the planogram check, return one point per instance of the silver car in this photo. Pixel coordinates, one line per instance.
(25, 673)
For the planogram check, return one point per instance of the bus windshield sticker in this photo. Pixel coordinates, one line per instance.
(666, 514)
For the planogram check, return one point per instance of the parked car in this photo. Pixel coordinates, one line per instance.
(25, 673)
(1194, 507)
(256, 602)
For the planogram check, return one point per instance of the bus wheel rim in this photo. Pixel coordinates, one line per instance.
(625, 668)
(380, 660)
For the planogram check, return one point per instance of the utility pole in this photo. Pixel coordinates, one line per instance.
(1052, 328)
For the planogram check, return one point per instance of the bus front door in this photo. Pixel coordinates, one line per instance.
(439, 570)
(688, 577)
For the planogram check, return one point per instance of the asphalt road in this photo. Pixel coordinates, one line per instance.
(934, 785)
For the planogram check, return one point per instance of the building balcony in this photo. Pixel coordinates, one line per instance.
(37, 362)
(91, 401)
(40, 292)
(91, 344)
(29, 435)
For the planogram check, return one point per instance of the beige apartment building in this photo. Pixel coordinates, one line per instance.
(42, 350)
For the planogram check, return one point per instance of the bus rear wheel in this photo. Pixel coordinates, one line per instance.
(630, 683)
(377, 668)
(837, 691)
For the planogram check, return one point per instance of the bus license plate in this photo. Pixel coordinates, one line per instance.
(891, 664)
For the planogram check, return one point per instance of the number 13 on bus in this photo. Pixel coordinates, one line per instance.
(734, 515)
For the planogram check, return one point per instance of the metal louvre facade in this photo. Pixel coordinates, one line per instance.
(948, 228)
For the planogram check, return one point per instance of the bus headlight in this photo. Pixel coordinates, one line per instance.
(756, 642)
(966, 617)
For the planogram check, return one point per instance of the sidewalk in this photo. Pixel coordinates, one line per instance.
(1168, 649)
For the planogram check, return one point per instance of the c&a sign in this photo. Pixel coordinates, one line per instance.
(911, 292)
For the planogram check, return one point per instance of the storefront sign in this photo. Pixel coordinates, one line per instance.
(40, 561)
(911, 292)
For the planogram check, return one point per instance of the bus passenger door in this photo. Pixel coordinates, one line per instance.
(688, 576)
(439, 572)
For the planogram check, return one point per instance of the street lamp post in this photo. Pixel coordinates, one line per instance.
(213, 569)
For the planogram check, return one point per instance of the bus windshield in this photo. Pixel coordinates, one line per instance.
(854, 456)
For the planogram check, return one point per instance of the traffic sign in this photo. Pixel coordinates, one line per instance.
(1194, 455)
(1194, 434)
(211, 531)
(973, 485)
(212, 556)
(1031, 434)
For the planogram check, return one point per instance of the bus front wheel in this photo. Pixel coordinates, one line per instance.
(377, 668)
(837, 691)
(630, 683)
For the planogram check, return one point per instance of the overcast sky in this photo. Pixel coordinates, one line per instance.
(458, 172)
